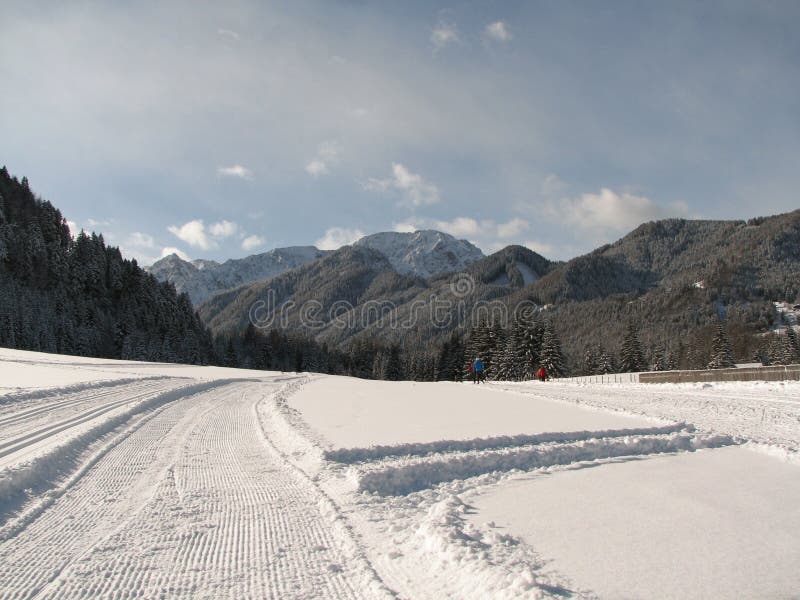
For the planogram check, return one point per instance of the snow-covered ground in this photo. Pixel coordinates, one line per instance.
(122, 479)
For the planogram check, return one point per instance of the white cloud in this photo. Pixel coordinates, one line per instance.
(553, 185)
(513, 228)
(444, 34)
(336, 237)
(416, 190)
(328, 153)
(459, 227)
(539, 247)
(609, 211)
(228, 33)
(316, 168)
(223, 229)
(499, 31)
(172, 250)
(94, 223)
(140, 240)
(411, 225)
(193, 233)
(235, 171)
(252, 241)
(73, 228)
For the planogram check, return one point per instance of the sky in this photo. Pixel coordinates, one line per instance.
(222, 129)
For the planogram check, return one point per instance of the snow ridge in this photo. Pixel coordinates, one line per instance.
(410, 476)
(203, 279)
(424, 253)
(353, 455)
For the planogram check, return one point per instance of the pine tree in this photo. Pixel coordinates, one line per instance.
(721, 351)
(590, 361)
(605, 363)
(631, 356)
(551, 356)
(792, 350)
(659, 359)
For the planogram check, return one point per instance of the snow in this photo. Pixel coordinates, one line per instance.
(124, 479)
(787, 315)
(351, 412)
(713, 524)
(765, 412)
(528, 274)
(424, 253)
(201, 279)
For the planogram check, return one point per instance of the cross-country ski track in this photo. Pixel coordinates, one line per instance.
(145, 480)
(193, 502)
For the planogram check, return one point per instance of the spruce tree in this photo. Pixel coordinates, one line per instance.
(631, 356)
(551, 356)
(792, 350)
(590, 361)
(721, 351)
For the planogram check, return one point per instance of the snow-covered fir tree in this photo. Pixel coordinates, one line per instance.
(791, 352)
(631, 358)
(721, 350)
(551, 356)
(590, 361)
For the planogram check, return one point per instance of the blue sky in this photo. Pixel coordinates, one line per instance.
(224, 129)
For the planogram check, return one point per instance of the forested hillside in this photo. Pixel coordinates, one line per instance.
(79, 296)
(674, 281)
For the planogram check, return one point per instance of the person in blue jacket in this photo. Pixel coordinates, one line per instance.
(479, 371)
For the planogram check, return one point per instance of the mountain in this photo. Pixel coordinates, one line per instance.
(354, 286)
(673, 278)
(755, 258)
(201, 279)
(423, 253)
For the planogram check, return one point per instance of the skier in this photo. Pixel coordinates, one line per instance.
(471, 372)
(478, 370)
(542, 373)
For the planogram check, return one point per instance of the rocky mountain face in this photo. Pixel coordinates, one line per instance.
(357, 287)
(201, 279)
(423, 253)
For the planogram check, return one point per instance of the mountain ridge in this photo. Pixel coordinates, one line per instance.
(423, 253)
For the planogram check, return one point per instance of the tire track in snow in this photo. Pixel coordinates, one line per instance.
(191, 504)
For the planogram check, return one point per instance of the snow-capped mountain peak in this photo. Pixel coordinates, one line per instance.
(425, 253)
(201, 279)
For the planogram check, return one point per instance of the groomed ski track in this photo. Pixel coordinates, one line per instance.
(189, 499)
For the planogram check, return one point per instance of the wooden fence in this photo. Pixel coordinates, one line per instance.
(777, 373)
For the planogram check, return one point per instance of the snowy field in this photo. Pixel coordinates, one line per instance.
(122, 479)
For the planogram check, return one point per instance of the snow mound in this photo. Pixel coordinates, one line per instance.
(353, 455)
(412, 475)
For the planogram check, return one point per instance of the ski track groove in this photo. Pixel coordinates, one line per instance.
(43, 409)
(23, 445)
(193, 503)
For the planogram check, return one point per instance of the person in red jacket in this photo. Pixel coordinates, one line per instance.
(542, 373)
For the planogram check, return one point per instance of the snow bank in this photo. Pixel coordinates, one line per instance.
(19, 397)
(416, 475)
(452, 543)
(353, 455)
